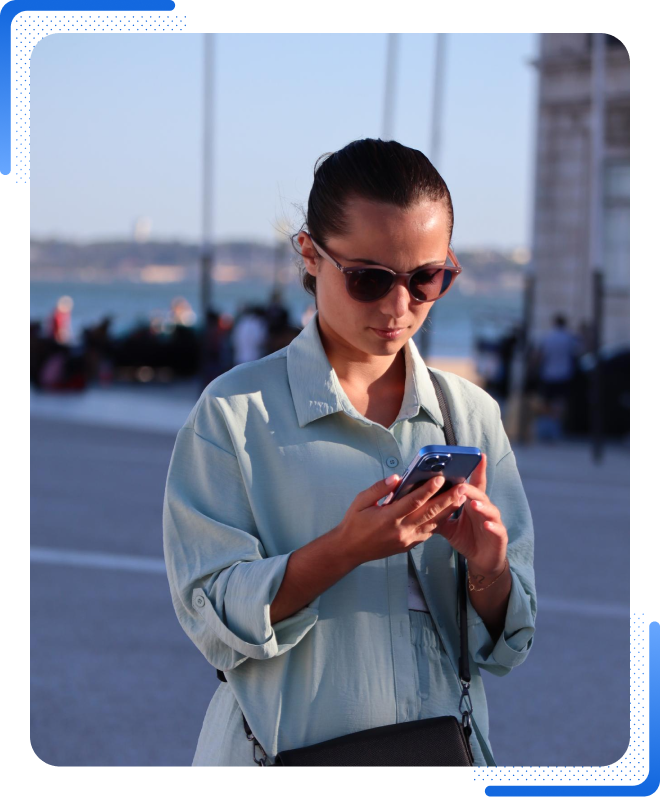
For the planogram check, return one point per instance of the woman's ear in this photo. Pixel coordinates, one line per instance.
(310, 256)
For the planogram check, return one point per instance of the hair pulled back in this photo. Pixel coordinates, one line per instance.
(371, 169)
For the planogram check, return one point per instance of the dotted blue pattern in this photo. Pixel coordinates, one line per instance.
(28, 29)
(631, 768)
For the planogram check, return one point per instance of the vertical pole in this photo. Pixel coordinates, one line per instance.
(207, 199)
(597, 376)
(525, 350)
(596, 232)
(527, 342)
(390, 80)
(436, 115)
(436, 107)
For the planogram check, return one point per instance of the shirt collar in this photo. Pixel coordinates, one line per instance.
(316, 390)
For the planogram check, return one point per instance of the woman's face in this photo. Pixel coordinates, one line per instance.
(388, 236)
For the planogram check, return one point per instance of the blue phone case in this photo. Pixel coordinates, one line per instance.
(455, 463)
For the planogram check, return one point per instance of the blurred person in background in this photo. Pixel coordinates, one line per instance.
(280, 330)
(495, 358)
(182, 345)
(181, 313)
(556, 358)
(56, 363)
(277, 315)
(211, 345)
(59, 323)
(508, 345)
(250, 334)
(226, 324)
(280, 333)
(325, 613)
(183, 350)
(99, 351)
(36, 351)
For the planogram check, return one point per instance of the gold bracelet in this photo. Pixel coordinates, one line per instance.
(474, 589)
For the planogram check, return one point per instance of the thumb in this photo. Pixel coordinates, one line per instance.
(372, 494)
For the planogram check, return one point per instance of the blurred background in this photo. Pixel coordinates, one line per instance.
(167, 172)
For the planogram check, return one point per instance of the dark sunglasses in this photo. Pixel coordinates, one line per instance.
(369, 283)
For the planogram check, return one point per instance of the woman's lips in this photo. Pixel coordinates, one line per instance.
(388, 334)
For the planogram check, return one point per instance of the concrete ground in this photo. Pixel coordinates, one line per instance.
(115, 681)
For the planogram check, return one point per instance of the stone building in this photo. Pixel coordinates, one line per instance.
(560, 248)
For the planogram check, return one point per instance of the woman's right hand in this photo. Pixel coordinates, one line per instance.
(369, 531)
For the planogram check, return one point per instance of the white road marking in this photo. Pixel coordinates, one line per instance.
(105, 561)
(152, 564)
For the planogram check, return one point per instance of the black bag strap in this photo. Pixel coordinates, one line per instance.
(450, 437)
(463, 660)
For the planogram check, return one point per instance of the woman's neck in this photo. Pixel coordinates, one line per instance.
(359, 370)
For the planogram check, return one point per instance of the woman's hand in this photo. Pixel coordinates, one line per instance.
(369, 531)
(478, 533)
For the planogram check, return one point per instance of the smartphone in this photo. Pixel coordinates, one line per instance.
(455, 463)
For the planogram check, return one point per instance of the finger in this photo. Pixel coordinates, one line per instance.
(371, 495)
(478, 476)
(472, 492)
(450, 528)
(437, 508)
(486, 511)
(496, 528)
(418, 497)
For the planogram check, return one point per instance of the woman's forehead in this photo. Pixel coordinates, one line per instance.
(385, 234)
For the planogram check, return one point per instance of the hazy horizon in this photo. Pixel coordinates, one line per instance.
(71, 241)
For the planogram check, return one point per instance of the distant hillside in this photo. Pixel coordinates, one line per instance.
(58, 260)
(173, 261)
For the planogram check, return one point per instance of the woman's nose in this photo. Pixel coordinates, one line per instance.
(397, 300)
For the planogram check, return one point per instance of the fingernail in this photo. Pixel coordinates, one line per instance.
(461, 489)
(391, 479)
(476, 504)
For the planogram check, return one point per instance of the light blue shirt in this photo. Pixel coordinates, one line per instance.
(270, 458)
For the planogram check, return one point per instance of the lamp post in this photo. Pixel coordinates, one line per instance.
(207, 201)
(436, 115)
(596, 233)
(390, 84)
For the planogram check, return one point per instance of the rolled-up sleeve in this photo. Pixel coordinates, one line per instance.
(221, 580)
(499, 656)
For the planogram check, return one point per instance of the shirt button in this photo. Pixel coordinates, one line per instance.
(199, 601)
(392, 462)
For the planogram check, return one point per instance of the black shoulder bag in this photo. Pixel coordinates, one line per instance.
(437, 741)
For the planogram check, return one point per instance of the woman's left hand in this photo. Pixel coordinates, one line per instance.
(478, 533)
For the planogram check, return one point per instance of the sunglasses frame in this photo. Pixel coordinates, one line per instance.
(455, 270)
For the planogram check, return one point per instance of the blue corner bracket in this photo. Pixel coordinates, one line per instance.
(7, 14)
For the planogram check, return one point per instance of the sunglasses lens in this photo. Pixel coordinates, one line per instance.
(428, 285)
(369, 284)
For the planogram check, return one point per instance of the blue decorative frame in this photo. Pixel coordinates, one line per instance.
(638, 771)
(18, 37)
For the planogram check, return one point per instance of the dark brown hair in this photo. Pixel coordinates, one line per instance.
(372, 169)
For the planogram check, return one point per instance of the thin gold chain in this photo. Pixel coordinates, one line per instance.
(474, 589)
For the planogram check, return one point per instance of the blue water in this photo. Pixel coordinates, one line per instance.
(455, 319)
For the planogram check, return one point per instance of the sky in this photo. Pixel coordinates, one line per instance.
(116, 129)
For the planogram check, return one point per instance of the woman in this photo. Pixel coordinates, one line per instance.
(284, 571)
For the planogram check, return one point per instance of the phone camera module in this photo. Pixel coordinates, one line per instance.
(434, 463)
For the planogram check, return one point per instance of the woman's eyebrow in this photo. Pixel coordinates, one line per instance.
(367, 262)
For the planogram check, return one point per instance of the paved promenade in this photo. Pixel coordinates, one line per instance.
(115, 681)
